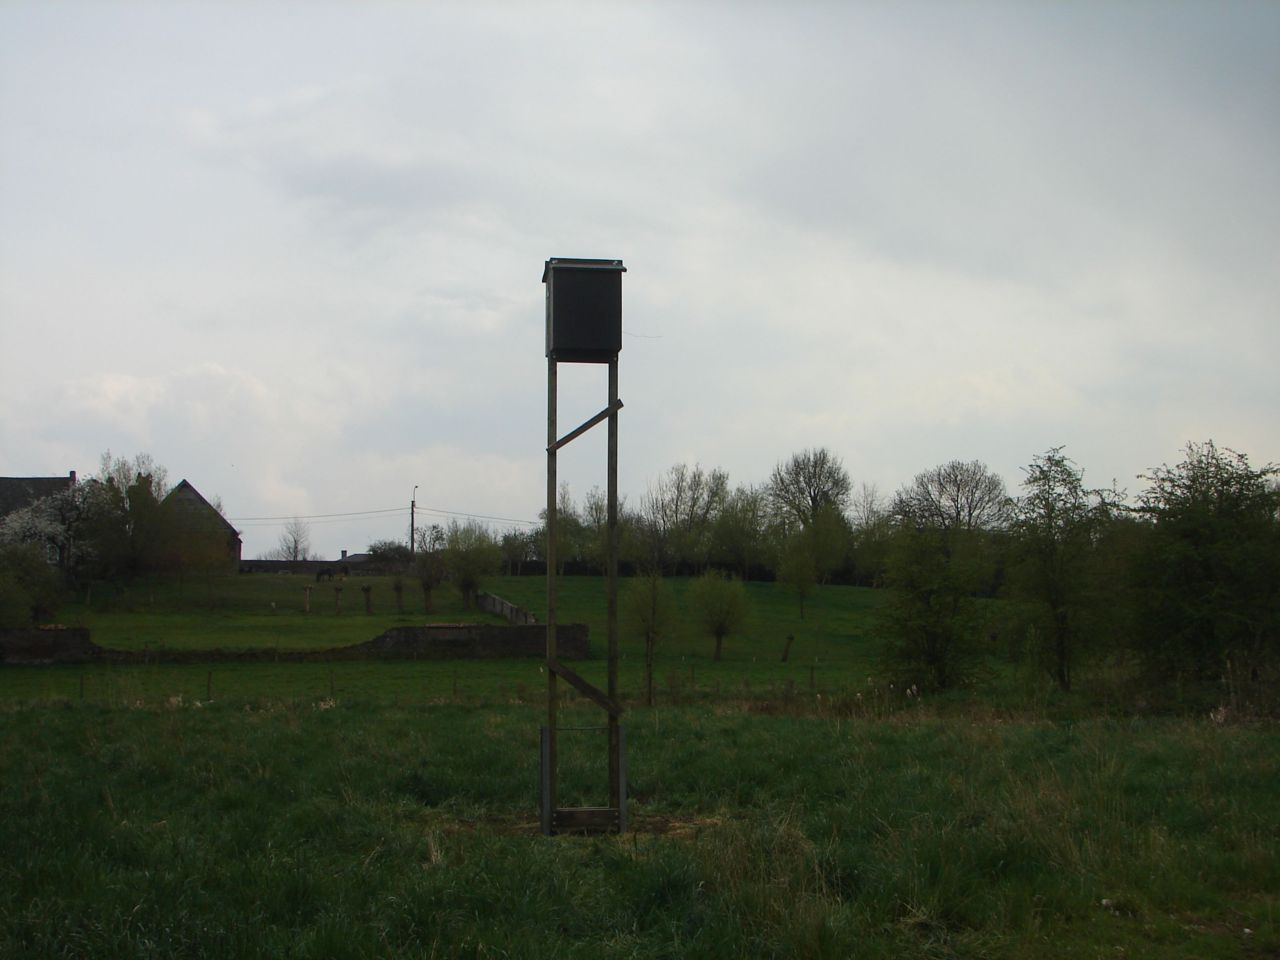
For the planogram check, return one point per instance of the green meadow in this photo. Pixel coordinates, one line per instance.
(798, 809)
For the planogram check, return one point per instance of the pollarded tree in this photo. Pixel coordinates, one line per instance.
(648, 611)
(1057, 524)
(720, 606)
(806, 484)
(1208, 575)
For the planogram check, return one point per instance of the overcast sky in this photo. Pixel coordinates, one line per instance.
(294, 251)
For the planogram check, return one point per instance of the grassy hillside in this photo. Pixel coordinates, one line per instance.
(780, 809)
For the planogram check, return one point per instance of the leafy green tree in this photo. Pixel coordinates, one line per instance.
(648, 611)
(931, 620)
(829, 538)
(29, 587)
(470, 554)
(571, 532)
(1057, 525)
(739, 535)
(517, 548)
(940, 559)
(394, 554)
(720, 606)
(797, 568)
(1208, 575)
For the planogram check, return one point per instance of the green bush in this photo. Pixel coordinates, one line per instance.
(29, 587)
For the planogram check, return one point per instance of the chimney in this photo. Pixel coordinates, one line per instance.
(73, 478)
(344, 554)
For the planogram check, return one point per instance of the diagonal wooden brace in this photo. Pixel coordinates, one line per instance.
(598, 418)
(586, 689)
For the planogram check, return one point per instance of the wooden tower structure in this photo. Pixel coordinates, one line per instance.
(584, 325)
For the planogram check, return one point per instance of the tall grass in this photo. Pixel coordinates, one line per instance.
(311, 827)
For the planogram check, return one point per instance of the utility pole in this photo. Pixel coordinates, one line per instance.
(413, 531)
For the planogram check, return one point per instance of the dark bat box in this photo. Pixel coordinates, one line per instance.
(584, 309)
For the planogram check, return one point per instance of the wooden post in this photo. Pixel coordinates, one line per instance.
(367, 590)
(549, 749)
(337, 599)
(306, 602)
(616, 800)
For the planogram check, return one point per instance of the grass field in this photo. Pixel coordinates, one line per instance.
(780, 810)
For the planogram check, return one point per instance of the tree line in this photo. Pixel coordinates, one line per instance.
(1184, 577)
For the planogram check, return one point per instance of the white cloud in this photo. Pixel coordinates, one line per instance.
(298, 261)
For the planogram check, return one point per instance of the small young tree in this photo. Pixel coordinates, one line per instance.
(797, 568)
(648, 611)
(470, 554)
(720, 606)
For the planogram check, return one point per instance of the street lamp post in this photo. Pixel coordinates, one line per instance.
(413, 531)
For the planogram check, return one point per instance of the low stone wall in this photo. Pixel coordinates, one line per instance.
(440, 641)
(508, 611)
(48, 645)
(478, 642)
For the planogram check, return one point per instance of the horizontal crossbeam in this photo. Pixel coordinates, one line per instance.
(598, 418)
(586, 689)
(587, 820)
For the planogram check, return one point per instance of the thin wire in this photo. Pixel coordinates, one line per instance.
(322, 518)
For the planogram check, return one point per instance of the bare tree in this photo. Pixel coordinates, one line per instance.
(811, 480)
(677, 514)
(294, 542)
(125, 473)
(955, 496)
(867, 507)
(649, 611)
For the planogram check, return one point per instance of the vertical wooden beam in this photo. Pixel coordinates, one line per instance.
(615, 744)
(550, 775)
